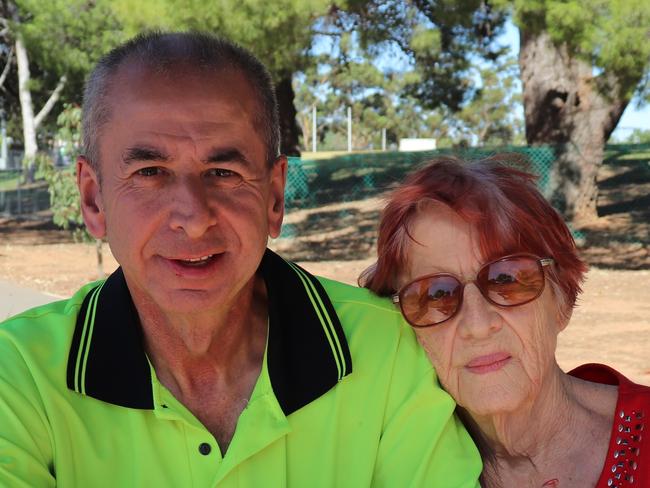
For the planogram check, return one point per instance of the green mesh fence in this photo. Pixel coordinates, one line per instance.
(313, 183)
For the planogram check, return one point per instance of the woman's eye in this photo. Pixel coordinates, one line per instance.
(150, 171)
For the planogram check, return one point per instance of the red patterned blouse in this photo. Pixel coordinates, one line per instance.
(628, 457)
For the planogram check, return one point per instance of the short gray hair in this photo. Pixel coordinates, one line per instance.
(162, 52)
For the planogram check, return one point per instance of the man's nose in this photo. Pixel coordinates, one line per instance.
(478, 318)
(192, 208)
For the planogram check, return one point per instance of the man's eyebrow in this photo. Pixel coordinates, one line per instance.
(141, 153)
(227, 155)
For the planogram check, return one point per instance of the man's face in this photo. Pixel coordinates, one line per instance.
(187, 199)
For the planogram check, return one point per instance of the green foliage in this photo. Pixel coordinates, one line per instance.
(64, 197)
(67, 36)
(62, 182)
(442, 39)
(491, 117)
(612, 35)
(638, 136)
(348, 76)
(63, 38)
(279, 32)
(378, 101)
(69, 133)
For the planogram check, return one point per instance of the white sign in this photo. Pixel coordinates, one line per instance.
(417, 144)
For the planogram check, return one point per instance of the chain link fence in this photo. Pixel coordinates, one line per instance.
(350, 177)
(313, 183)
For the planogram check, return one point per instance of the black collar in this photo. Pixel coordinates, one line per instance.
(307, 350)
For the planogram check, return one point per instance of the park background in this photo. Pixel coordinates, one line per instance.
(565, 83)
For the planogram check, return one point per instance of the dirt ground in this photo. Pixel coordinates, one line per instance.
(611, 324)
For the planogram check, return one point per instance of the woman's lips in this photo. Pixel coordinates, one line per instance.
(488, 363)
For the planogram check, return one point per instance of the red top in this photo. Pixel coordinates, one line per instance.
(628, 458)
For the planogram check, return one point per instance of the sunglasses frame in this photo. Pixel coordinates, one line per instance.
(541, 262)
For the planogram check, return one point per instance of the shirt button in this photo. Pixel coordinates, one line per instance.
(204, 448)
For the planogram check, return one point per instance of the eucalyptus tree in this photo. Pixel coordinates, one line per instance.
(48, 48)
(581, 63)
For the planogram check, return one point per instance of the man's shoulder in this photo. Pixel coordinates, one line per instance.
(372, 323)
(342, 293)
(42, 323)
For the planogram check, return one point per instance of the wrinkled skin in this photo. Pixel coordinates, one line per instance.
(527, 334)
(183, 175)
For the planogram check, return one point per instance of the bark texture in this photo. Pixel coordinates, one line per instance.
(566, 105)
(26, 105)
(289, 131)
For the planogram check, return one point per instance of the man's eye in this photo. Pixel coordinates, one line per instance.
(222, 173)
(150, 171)
(224, 177)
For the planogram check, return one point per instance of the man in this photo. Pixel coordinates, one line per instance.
(206, 359)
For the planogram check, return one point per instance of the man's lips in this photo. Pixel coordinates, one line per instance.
(193, 256)
(199, 260)
(488, 362)
(194, 265)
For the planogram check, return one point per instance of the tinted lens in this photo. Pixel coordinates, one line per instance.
(430, 300)
(511, 281)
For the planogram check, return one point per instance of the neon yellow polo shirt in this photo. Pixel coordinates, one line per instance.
(345, 398)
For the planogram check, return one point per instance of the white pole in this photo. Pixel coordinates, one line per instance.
(313, 128)
(383, 139)
(349, 129)
(4, 153)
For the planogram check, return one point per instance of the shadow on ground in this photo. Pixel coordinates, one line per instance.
(37, 230)
(333, 235)
(620, 239)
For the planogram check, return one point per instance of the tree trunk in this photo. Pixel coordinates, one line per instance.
(569, 107)
(304, 122)
(289, 131)
(30, 122)
(26, 108)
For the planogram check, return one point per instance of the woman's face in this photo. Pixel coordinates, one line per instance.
(490, 359)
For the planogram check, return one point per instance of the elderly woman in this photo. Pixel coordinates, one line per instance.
(487, 273)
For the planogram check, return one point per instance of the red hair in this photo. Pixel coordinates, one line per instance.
(501, 202)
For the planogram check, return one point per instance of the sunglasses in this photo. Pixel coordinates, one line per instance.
(509, 281)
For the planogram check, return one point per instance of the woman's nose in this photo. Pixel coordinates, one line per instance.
(477, 318)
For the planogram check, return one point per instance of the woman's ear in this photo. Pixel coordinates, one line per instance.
(92, 208)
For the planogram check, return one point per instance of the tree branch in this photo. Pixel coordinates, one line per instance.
(5, 27)
(54, 97)
(5, 71)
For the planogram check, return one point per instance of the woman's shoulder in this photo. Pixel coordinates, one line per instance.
(628, 458)
(606, 375)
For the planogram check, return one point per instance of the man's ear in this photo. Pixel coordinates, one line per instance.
(276, 195)
(92, 207)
